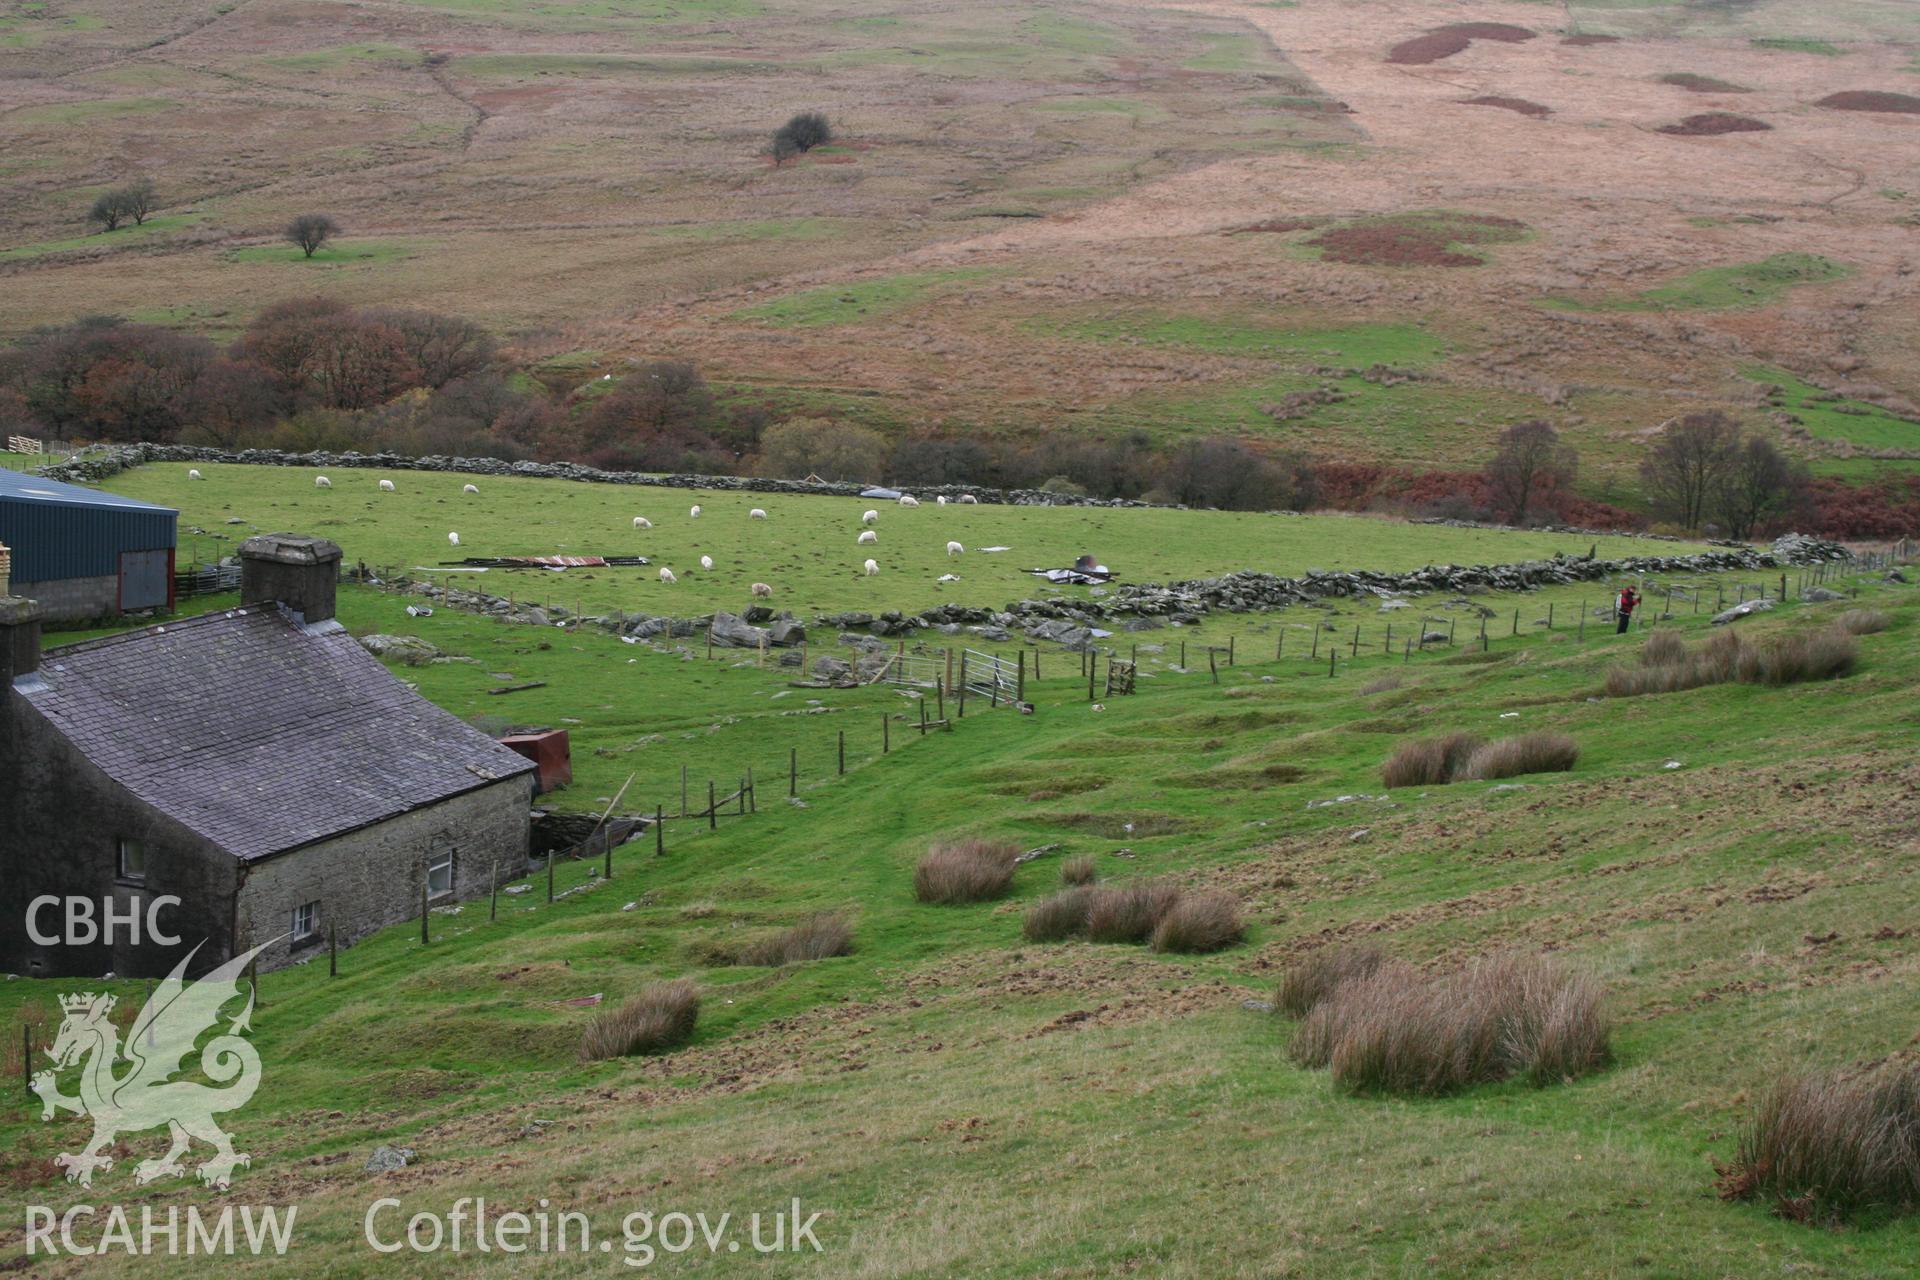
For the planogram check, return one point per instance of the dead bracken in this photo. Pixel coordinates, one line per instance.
(1444, 42)
(1713, 123)
(1521, 105)
(1872, 100)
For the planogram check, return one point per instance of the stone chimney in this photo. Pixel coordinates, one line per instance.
(293, 570)
(6, 570)
(19, 638)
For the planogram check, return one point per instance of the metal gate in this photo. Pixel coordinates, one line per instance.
(146, 579)
(989, 677)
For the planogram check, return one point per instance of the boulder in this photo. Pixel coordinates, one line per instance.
(411, 650)
(786, 632)
(1819, 595)
(831, 668)
(386, 1159)
(728, 631)
(1740, 611)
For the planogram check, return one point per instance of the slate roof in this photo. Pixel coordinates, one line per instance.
(257, 732)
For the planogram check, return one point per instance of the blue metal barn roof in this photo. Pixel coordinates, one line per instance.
(61, 530)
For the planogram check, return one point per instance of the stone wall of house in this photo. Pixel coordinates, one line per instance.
(61, 820)
(73, 599)
(369, 879)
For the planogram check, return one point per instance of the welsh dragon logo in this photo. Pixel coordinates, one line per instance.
(146, 1096)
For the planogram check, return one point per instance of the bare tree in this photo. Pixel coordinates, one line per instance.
(138, 199)
(311, 230)
(1759, 486)
(109, 210)
(802, 133)
(1529, 461)
(1686, 464)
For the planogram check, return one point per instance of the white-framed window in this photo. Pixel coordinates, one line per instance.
(306, 920)
(440, 874)
(132, 859)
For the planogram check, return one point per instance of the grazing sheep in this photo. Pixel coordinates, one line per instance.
(386, 486)
(469, 488)
(867, 536)
(940, 501)
(454, 538)
(193, 473)
(762, 590)
(666, 575)
(706, 562)
(321, 482)
(756, 514)
(641, 522)
(967, 499)
(873, 568)
(695, 513)
(908, 500)
(868, 517)
(954, 549)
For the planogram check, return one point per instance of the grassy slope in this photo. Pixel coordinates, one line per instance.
(928, 1093)
(806, 549)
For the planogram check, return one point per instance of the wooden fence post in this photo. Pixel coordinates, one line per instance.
(1213, 668)
(1020, 689)
(886, 734)
(713, 804)
(843, 751)
(493, 895)
(424, 939)
(549, 875)
(659, 831)
(1230, 640)
(793, 764)
(333, 951)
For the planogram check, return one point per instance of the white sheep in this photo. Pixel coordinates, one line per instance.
(866, 536)
(908, 500)
(873, 568)
(694, 514)
(706, 562)
(386, 486)
(967, 499)
(641, 522)
(756, 514)
(868, 517)
(666, 575)
(762, 590)
(321, 482)
(470, 488)
(454, 538)
(940, 501)
(954, 549)
(193, 473)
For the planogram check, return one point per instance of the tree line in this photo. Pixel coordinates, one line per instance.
(317, 373)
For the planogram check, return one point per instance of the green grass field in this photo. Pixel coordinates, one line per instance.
(1749, 284)
(807, 549)
(958, 1102)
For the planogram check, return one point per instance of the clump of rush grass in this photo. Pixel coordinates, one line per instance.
(1058, 916)
(1727, 658)
(1391, 1029)
(661, 1017)
(1541, 752)
(1428, 762)
(818, 937)
(1199, 922)
(1128, 912)
(1314, 978)
(1078, 870)
(1863, 622)
(1825, 1148)
(961, 871)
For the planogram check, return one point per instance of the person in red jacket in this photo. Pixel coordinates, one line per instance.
(1623, 609)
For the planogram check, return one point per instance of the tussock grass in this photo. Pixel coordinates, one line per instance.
(1863, 622)
(660, 1018)
(1727, 657)
(965, 871)
(1199, 922)
(1825, 1148)
(1541, 752)
(1382, 685)
(1663, 649)
(816, 938)
(1129, 912)
(1078, 870)
(1313, 979)
(1397, 1031)
(1429, 762)
(1059, 916)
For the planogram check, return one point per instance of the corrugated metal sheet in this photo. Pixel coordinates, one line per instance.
(64, 531)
